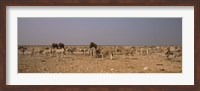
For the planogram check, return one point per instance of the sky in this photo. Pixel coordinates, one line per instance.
(102, 31)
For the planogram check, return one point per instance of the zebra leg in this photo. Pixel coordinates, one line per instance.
(62, 55)
(102, 55)
(57, 55)
(111, 57)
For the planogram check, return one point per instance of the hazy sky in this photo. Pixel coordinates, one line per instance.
(103, 31)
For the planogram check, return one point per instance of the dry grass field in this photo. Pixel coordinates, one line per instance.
(125, 59)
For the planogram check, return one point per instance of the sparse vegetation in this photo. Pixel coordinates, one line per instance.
(107, 59)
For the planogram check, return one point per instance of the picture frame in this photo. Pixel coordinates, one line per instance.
(3, 45)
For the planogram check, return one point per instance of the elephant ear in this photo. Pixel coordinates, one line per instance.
(91, 44)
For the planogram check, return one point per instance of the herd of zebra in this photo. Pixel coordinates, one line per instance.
(95, 51)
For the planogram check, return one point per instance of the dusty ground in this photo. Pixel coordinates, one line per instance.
(79, 63)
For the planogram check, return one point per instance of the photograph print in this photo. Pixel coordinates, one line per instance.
(99, 45)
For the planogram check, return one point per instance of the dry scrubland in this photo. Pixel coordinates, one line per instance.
(158, 59)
